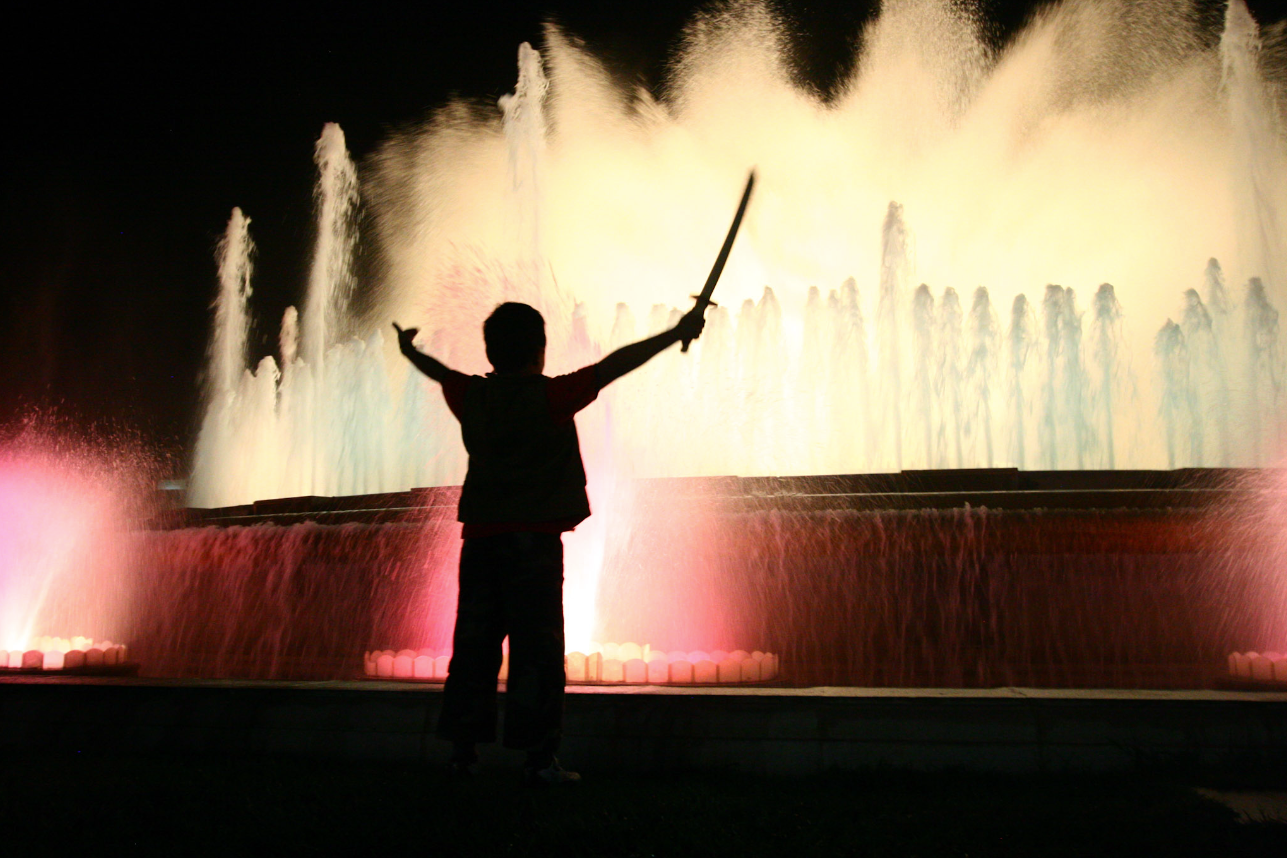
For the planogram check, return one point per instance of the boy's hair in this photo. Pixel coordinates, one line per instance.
(514, 335)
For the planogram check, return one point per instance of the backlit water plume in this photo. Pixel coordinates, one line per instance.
(69, 548)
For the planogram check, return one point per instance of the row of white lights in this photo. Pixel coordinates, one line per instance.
(603, 664)
(49, 654)
(1264, 666)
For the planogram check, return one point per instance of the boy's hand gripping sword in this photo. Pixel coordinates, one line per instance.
(704, 299)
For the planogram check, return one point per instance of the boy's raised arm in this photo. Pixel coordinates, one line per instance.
(436, 370)
(635, 355)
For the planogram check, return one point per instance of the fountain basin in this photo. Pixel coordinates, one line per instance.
(1122, 579)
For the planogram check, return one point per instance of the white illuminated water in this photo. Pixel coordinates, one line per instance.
(964, 260)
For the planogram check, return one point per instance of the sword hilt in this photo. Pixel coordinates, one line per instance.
(683, 347)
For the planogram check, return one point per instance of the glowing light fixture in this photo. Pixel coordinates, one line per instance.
(65, 654)
(1258, 666)
(608, 664)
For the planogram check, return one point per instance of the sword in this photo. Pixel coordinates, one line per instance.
(704, 299)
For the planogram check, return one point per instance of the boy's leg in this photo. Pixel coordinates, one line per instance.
(534, 616)
(469, 699)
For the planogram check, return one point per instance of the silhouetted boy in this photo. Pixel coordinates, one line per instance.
(524, 488)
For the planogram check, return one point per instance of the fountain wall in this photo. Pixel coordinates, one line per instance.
(945, 579)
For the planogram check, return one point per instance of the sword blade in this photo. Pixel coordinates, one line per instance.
(724, 251)
(704, 299)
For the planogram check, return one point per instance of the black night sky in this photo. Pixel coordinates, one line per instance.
(131, 132)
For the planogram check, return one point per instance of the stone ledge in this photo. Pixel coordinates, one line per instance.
(763, 730)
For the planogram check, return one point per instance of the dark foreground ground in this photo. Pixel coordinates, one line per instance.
(185, 806)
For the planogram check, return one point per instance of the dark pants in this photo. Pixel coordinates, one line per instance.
(511, 584)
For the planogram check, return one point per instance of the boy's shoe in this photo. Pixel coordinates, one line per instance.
(551, 776)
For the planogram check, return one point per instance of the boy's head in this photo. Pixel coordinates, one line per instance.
(515, 337)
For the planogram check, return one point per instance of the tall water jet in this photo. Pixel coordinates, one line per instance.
(947, 381)
(1263, 383)
(1217, 303)
(1256, 136)
(895, 269)
(923, 347)
(850, 388)
(231, 317)
(1205, 376)
(330, 280)
(1106, 336)
(524, 125)
(979, 370)
(1054, 416)
(216, 442)
(1020, 342)
(815, 358)
(1174, 362)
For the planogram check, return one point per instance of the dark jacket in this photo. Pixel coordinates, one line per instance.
(523, 466)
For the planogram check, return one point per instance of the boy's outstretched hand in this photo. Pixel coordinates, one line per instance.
(421, 361)
(405, 338)
(629, 358)
(690, 326)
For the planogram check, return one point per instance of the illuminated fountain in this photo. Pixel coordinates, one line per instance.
(67, 554)
(857, 334)
(890, 304)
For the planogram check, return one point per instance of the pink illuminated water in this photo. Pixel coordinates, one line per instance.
(68, 553)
